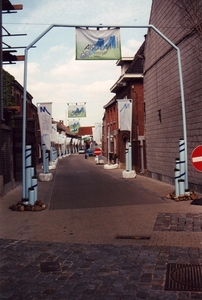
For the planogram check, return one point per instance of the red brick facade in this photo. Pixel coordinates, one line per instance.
(164, 124)
(128, 86)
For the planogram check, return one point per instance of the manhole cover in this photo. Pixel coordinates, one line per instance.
(50, 266)
(132, 237)
(183, 277)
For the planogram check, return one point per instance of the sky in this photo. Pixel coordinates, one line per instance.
(53, 74)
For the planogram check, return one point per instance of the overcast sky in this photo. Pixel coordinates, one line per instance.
(53, 73)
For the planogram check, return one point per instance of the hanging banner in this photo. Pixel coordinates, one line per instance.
(125, 114)
(76, 110)
(45, 122)
(54, 133)
(97, 133)
(74, 126)
(98, 44)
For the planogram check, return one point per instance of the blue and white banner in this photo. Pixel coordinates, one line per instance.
(74, 126)
(45, 122)
(125, 114)
(98, 44)
(76, 110)
(54, 137)
(97, 133)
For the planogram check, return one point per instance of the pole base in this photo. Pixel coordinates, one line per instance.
(129, 174)
(45, 177)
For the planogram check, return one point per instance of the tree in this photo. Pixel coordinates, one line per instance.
(191, 20)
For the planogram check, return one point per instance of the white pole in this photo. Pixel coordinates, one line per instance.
(108, 148)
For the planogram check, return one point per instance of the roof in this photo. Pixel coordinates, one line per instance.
(112, 101)
(123, 60)
(134, 70)
(7, 6)
(62, 127)
(136, 66)
(88, 130)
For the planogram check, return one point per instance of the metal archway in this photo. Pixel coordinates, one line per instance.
(101, 26)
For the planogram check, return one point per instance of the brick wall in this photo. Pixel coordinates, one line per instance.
(162, 94)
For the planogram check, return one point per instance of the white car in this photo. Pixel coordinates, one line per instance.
(81, 151)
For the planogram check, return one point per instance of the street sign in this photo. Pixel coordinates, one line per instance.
(97, 151)
(196, 158)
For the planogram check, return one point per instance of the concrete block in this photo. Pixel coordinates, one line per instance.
(129, 174)
(45, 177)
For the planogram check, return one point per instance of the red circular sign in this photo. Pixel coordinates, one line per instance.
(196, 158)
(97, 151)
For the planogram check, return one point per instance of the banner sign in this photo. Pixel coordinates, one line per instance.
(76, 110)
(54, 133)
(125, 114)
(97, 133)
(74, 126)
(45, 122)
(98, 44)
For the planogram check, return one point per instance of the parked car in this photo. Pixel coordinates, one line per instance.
(81, 151)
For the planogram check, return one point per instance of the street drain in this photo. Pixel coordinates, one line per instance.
(183, 277)
(50, 266)
(132, 237)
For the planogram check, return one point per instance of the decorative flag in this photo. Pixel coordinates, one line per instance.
(97, 133)
(54, 137)
(74, 126)
(76, 110)
(125, 114)
(98, 44)
(45, 122)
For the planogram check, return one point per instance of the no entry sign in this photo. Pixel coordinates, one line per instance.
(97, 151)
(196, 158)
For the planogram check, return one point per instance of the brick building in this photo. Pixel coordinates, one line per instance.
(128, 86)
(180, 21)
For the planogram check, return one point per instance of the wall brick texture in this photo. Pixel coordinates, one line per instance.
(163, 107)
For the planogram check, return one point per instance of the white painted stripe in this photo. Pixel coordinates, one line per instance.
(197, 159)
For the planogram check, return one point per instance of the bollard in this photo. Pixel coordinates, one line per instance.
(129, 156)
(127, 160)
(44, 157)
(187, 192)
(28, 162)
(31, 196)
(46, 163)
(177, 176)
(35, 187)
(181, 187)
(182, 158)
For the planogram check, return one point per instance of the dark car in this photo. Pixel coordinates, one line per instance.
(89, 152)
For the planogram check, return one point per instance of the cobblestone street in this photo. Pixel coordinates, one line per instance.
(90, 271)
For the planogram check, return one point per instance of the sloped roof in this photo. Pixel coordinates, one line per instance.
(62, 127)
(7, 6)
(134, 70)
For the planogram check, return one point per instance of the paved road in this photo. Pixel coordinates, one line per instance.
(78, 234)
(80, 184)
